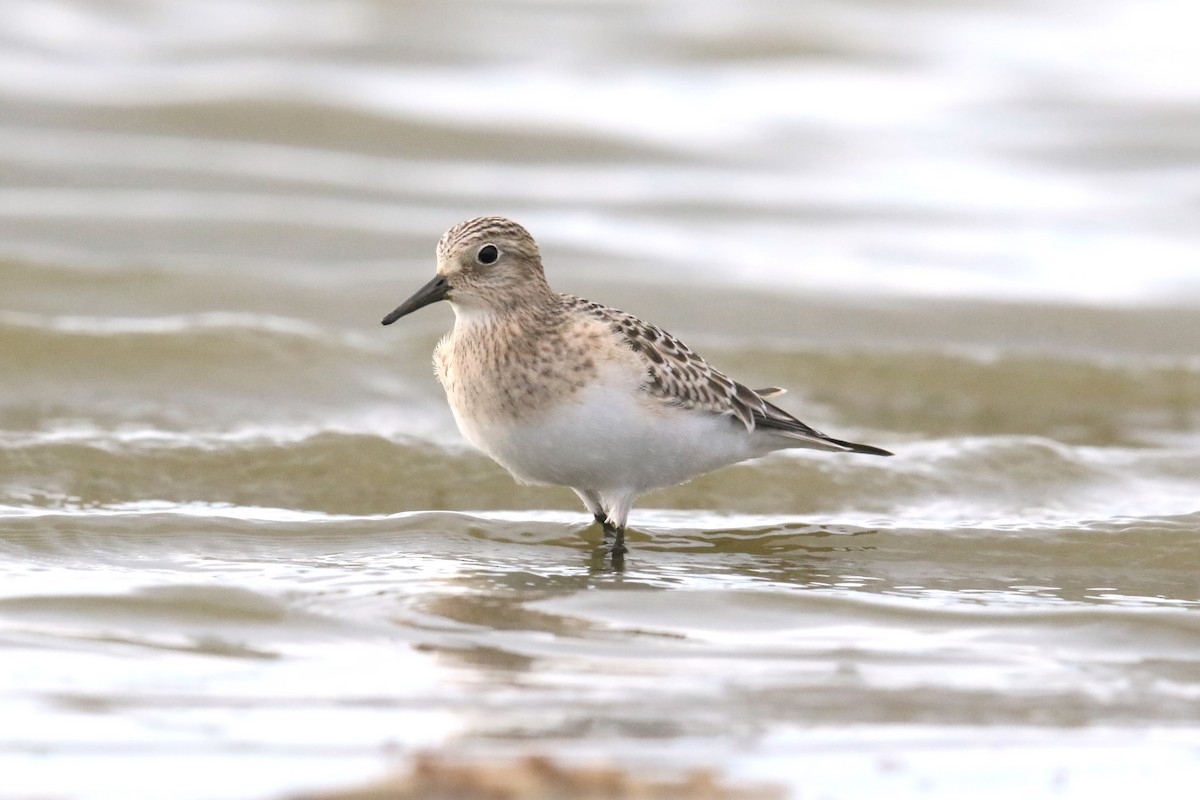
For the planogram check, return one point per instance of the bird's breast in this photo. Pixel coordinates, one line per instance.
(569, 406)
(502, 373)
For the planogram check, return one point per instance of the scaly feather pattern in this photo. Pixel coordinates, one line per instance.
(678, 376)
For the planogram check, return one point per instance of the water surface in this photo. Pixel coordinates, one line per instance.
(245, 553)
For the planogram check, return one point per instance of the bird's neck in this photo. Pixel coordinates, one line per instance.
(530, 315)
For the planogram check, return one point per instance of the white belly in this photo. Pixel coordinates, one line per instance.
(609, 437)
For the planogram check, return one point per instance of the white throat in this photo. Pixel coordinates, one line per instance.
(469, 315)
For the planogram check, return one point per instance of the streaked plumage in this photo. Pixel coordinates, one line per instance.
(561, 390)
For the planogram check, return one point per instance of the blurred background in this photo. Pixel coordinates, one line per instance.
(990, 150)
(246, 553)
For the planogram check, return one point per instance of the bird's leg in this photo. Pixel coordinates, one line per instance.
(612, 520)
(618, 548)
(613, 532)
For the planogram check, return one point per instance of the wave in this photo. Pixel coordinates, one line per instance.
(230, 369)
(184, 323)
(971, 482)
(210, 370)
(934, 573)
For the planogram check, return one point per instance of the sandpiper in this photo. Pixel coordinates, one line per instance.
(559, 390)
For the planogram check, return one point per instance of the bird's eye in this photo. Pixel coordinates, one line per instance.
(487, 254)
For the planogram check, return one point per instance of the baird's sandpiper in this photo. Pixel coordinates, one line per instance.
(559, 390)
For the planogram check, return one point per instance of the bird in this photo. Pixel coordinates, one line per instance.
(563, 391)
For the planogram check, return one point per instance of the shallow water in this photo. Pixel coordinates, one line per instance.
(245, 552)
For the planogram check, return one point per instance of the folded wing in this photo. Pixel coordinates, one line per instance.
(677, 375)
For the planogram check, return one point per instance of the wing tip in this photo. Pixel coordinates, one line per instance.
(864, 449)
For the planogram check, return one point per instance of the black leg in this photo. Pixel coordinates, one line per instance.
(615, 533)
(618, 548)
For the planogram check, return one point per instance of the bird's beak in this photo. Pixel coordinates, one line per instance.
(435, 290)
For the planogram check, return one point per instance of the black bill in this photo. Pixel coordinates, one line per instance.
(435, 290)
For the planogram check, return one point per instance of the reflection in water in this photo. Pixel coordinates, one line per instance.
(597, 564)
